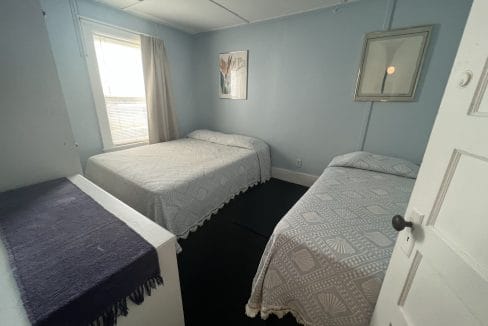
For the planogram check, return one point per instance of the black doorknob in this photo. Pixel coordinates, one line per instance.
(399, 223)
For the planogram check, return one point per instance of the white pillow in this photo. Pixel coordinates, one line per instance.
(225, 139)
(377, 163)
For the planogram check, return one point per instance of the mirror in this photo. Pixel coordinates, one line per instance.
(391, 64)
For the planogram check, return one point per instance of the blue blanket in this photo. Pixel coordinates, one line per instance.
(73, 261)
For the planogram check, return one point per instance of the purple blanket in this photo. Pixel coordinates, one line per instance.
(74, 262)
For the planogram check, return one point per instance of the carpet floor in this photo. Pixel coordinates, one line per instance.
(219, 260)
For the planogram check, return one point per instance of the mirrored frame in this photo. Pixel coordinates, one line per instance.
(391, 64)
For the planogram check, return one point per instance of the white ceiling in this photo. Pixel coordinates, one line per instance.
(196, 16)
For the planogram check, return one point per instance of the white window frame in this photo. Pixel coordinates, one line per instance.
(89, 28)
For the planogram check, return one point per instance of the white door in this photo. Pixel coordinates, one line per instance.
(444, 280)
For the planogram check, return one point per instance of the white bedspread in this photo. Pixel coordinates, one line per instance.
(327, 257)
(180, 184)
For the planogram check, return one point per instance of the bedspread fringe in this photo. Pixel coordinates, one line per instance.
(109, 316)
(215, 211)
(279, 312)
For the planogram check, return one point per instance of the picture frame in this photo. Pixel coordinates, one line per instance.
(391, 64)
(233, 71)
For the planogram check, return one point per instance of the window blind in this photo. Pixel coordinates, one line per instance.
(120, 69)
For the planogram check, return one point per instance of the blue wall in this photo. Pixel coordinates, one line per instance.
(302, 74)
(74, 75)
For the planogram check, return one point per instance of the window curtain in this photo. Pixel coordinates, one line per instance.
(160, 113)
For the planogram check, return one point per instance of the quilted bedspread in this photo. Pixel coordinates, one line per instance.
(327, 257)
(180, 184)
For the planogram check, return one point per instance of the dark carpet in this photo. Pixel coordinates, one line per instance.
(219, 260)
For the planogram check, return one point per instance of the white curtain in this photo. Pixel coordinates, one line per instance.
(160, 112)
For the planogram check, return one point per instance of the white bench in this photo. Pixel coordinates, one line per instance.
(163, 307)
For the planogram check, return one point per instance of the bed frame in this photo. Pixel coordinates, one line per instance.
(163, 307)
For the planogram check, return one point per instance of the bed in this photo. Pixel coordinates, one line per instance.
(327, 257)
(163, 306)
(180, 184)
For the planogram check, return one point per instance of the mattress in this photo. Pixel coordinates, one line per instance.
(163, 305)
(180, 184)
(326, 259)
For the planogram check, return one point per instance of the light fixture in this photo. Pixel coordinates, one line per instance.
(390, 70)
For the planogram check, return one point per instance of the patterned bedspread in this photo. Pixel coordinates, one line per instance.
(179, 184)
(326, 258)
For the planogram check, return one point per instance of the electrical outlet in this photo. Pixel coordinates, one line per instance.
(299, 162)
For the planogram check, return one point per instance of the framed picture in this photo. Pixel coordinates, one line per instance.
(391, 64)
(233, 75)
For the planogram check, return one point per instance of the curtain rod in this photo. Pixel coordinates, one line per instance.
(91, 20)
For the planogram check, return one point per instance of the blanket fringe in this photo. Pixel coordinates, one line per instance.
(277, 311)
(209, 215)
(109, 316)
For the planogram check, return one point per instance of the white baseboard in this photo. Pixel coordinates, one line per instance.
(299, 178)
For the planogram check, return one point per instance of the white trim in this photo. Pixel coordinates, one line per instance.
(96, 85)
(125, 146)
(73, 4)
(89, 28)
(299, 178)
(96, 22)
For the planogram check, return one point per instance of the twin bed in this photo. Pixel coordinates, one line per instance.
(327, 257)
(180, 184)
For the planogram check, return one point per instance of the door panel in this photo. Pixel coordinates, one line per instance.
(459, 272)
(427, 287)
(466, 192)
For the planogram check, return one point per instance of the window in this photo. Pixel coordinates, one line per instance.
(115, 65)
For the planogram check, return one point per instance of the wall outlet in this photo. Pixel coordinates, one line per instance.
(299, 162)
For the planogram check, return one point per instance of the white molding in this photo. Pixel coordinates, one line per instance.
(300, 178)
(90, 28)
(126, 146)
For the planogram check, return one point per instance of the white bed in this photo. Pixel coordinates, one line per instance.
(326, 259)
(180, 184)
(164, 306)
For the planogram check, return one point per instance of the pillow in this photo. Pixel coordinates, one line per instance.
(258, 146)
(225, 139)
(377, 163)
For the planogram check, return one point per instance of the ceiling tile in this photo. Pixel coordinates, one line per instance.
(258, 10)
(195, 16)
(191, 15)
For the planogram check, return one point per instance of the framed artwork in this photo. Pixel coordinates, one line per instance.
(233, 75)
(391, 64)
